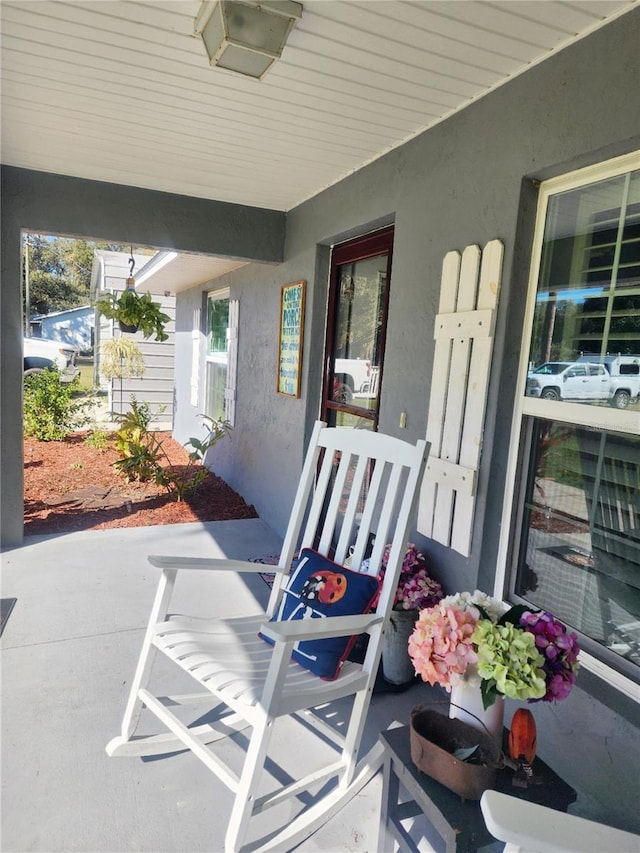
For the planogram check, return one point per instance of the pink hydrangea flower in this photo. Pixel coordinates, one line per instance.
(440, 645)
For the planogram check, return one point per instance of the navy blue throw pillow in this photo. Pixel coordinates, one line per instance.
(318, 588)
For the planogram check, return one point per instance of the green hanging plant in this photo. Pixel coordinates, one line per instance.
(121, 358)
(135, 311)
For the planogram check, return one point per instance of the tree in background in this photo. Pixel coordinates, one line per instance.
(60, 271)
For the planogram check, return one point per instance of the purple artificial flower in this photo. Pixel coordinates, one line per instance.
(560, 651)
(416, 590)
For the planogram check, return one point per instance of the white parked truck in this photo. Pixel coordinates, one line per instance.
(41, 354)
(614, 379)
(355, 373)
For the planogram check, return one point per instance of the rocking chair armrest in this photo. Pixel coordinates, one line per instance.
(295, 630)
(530, 826)
(168, 561)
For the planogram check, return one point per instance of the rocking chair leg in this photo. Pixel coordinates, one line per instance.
(247, 790)
(158, 613)
(354, 736)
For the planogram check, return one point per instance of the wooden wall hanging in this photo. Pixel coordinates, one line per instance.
(461, 367)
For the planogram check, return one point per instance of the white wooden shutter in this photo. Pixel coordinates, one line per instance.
(232, 364)
(461, 367)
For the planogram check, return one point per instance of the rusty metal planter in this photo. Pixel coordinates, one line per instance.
(434, 739)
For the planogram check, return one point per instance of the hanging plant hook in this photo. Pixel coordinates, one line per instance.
(131, 282)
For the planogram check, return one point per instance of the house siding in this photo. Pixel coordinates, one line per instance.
(74, 326)
(468, 180)
(156, 385)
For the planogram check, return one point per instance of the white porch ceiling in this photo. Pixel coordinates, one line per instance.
(121, 90)
(183, 271)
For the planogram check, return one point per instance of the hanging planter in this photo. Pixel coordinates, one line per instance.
(135, 312)
(121, 358)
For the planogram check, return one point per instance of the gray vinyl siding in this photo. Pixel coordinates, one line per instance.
(156, 385)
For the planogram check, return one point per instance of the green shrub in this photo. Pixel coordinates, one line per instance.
(143, 458)
(98, 439)
(50, 408)
(139, 449)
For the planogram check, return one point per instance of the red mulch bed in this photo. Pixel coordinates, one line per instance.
(72, 486)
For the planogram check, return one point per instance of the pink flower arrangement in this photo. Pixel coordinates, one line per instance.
(415, 588)
(517, 652)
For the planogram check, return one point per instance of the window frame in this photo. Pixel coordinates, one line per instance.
(526, 408)
(215, 358)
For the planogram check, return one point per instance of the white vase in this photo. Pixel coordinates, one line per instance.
(397, 666)
(466, 705)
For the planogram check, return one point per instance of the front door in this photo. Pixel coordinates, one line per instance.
(356, 330)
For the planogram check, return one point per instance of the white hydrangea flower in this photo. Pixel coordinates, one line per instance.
(465, 600)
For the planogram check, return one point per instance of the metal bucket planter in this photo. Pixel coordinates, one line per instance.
(397, 667)
(434, 740)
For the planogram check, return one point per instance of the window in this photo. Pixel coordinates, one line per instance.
(574, 515)
(220, 361)
(356, 330)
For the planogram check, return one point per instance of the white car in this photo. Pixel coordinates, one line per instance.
(41, 354)
(612, 379)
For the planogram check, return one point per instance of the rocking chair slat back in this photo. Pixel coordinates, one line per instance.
(348, 501)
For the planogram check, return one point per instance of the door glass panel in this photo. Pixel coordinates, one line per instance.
(356, 333)
(346, 419)
(358, 324)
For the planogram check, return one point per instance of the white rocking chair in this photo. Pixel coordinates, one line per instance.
(530, 828)
(356, 487)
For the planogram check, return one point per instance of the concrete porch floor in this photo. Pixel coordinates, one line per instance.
(69, 650)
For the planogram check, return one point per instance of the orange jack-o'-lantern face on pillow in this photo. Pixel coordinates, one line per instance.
(325, 586)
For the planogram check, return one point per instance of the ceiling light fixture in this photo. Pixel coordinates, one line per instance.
(244, 36)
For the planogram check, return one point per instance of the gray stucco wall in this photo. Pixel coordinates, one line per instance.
(467, 180)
